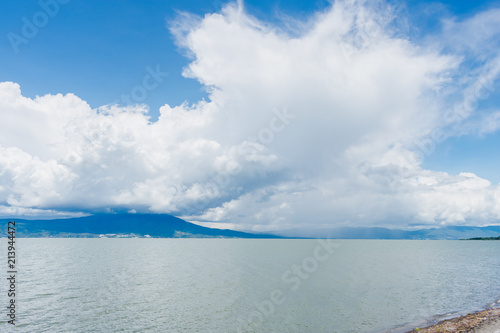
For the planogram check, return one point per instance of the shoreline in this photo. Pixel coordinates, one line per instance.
(485, 321)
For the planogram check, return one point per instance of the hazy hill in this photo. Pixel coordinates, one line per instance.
(451, 232)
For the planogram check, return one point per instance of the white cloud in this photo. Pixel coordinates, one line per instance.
(312, 129)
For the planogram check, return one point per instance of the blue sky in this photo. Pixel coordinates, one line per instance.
(104, 52)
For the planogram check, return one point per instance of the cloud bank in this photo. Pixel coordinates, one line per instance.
(320, 127)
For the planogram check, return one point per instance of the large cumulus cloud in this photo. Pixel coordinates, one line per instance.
(321, 127)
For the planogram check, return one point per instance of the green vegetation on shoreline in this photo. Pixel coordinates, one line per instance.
(483, 238)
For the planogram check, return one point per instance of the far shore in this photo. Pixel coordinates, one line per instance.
(486, 321)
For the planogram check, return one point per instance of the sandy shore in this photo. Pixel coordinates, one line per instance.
(487, 321)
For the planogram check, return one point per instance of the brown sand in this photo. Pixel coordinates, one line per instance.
(487, 321)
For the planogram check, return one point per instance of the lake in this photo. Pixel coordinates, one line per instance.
(244, 285)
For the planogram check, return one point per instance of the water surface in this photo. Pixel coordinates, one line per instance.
(240, 285)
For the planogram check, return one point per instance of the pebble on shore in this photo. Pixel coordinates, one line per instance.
(487, 321)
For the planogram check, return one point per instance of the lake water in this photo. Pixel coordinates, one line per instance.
(239, 285)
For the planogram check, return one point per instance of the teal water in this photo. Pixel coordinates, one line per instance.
(238, 285)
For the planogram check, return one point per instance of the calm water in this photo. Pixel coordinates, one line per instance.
(235, 285)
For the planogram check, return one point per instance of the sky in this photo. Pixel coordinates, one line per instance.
(252, 115)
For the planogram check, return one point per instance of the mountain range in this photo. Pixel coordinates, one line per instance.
(168, 226)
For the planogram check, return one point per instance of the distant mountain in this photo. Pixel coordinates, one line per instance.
(121, 225)
(451, 232)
